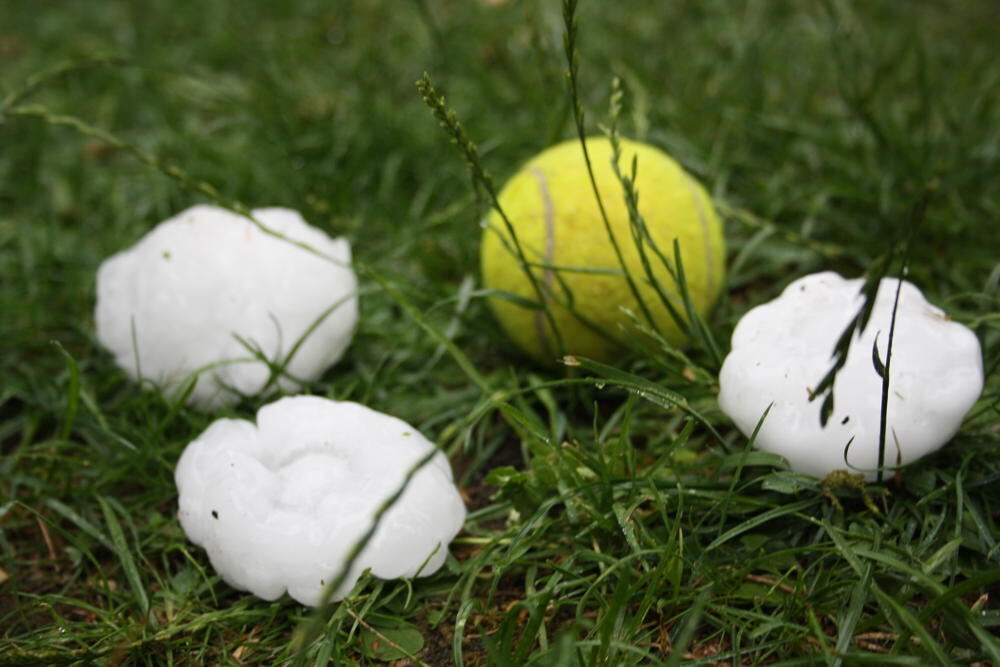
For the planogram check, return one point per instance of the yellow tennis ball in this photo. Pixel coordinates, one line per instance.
(551, 206)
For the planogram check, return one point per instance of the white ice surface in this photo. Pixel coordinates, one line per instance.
(782, 349)
(179, 301)
(277, 506)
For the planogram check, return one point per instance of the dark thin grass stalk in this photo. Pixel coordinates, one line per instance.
(869, 290)
(573, 64)
(860, 103)
(883, 369)
(843, 345)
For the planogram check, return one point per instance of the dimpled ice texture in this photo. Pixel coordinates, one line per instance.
(278, 504)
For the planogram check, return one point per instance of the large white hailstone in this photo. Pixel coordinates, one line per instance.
(205, 291)
(278, 505)
(782, 349)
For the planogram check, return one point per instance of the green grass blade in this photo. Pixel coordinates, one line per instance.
(850, 617)
(72, 392)
(125, 557)
(687, 630)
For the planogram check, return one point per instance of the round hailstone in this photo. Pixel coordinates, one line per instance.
(782, 349)
(206, 293)
(278, 505)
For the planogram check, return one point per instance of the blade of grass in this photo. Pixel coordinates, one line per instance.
(448, 120)
(570, 27)
(689, 626)
(851, 616)
(760, 519)
(313, 627)
(124, 554)
(72, 391)
(172, 171)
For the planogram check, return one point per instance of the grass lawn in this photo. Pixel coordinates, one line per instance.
(607, 524)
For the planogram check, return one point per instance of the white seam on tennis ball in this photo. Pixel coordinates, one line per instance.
(705, 234)
(550, 242)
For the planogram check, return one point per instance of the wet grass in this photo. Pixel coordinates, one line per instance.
(607, 524)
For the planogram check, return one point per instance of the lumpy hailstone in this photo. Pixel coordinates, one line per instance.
(782, 349)
(279, 504)
(201, 287)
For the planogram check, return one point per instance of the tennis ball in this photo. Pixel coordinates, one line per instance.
(551, 206)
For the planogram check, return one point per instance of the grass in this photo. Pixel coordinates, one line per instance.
(616, 516)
